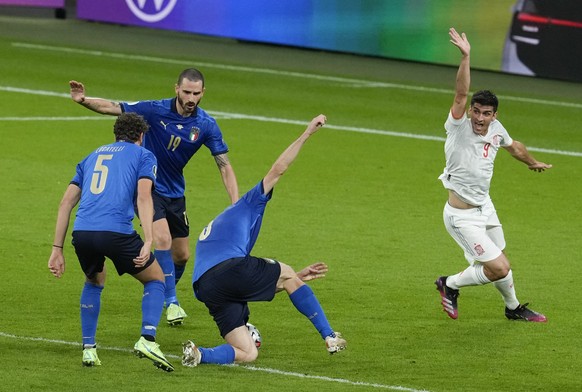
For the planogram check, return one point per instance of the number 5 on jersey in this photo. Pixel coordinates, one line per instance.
(100, 172)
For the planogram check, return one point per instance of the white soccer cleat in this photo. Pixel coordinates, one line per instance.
(191, 355)
(335, 343)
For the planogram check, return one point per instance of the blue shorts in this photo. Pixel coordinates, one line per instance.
(92, 247)
(174, 211)
(227, 288)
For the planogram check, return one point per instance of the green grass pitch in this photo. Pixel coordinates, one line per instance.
(363, 196)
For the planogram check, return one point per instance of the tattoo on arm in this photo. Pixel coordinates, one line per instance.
(95, 105)
(221, 160)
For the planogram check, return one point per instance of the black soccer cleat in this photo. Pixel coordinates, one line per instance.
(448, 297)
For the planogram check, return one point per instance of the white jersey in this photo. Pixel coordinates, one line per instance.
(470, 157)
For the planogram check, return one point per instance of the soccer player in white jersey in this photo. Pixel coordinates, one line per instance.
(469, 215)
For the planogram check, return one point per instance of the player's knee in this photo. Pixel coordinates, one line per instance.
(249, 355)
(163, 241)
(286, 272)
(288, 279)
(180, 256)
(286, 275)
(498, 268)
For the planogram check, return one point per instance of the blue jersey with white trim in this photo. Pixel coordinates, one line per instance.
(108, 180)
(233, 233)
(174, 139)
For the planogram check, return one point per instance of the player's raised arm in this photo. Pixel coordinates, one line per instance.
(99, 105)
(288, 156)
(463, 74)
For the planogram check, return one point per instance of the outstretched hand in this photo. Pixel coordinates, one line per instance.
(313, 271)
(460, 41)
(539, 167)
(77, 91)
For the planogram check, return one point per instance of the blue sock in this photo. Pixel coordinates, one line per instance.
(90, 307)
(306, 303)
(221, 355)
(179, 271)
(164, 257)
(152, 305)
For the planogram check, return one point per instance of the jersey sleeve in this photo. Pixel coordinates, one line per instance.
(78, 178)
(453, 124)
(215, 143)
(506, 140)
(148, 165)
(143, 108)
(256, 195)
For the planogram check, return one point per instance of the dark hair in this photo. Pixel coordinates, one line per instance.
(191, 74)
(485, 98)
(129, 127)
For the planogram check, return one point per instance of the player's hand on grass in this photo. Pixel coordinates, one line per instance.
(313, 271)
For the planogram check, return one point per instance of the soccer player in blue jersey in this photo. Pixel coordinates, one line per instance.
(226, 277)
(178, 128)
(107, 184)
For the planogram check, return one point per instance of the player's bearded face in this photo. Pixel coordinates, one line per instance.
(188, 95)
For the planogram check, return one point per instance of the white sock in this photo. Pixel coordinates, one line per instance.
(505, 287)
(472, 276)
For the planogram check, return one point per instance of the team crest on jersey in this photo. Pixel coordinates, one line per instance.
(194, 132)
(495, 141)
(479, 249)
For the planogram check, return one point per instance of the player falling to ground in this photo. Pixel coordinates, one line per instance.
(469, 215)
(107, 183)
(178, 128)
(226, 277)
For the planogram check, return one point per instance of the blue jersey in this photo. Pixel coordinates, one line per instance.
(108, 180)
(174, 139)
(233, 233)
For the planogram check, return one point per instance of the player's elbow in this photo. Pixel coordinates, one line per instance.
(279, 169)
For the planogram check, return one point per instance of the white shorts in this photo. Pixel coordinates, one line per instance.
(477, 231)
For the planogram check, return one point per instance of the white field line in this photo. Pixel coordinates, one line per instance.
(227, 115)
(246, 367)
(348, 81)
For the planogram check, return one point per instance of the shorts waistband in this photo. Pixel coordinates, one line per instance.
(461, 210)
